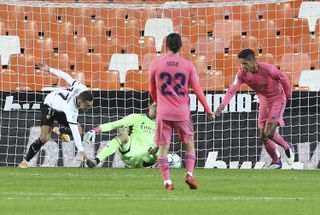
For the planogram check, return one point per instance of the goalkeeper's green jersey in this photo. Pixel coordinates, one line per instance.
(141, 128)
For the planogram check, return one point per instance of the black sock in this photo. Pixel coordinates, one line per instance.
(98, 160)
(33, 149)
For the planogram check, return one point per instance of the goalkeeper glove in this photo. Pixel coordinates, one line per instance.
(90, 136)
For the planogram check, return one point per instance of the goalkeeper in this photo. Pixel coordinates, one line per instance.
(134, 146)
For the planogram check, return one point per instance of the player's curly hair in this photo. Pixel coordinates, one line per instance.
(246, 54)
(173, 42)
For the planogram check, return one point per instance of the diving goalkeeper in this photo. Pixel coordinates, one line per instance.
(134, 145)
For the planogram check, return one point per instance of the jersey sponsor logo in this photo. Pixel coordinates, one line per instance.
(147, 129)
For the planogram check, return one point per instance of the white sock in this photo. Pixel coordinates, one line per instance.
(190, 173)
(167, 182)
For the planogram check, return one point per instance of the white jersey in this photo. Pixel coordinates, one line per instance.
(65, 100)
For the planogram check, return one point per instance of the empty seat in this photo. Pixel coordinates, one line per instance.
(123, 63)
(8, 45)
(310, 11)
(295, 28)
(226, 29)
(209, 46)
(212, 80)
(140, 46)
(263, 30)
(110, 80)
(137, 80)
(8, 80)
(277, 47)
(239, 43)
(147, 60)
(266, 58)
(295, 63)
(309, 45)
(158, 28)
(310, 79)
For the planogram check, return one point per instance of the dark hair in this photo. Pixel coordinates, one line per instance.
(173, 42)
(247, 54)
(86, 96)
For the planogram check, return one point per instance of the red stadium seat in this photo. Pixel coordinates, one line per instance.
(137, 80)
(309, 45)
(225, 29)
(295, 63)
(8, 80)
(238, 43)
(212, 80)
(295, 28)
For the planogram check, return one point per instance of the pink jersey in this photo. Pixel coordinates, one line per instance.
(269, 83)
(170, 78)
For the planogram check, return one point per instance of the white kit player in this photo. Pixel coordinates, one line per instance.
(63, 106)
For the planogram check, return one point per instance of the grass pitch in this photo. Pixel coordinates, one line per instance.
(140, 191)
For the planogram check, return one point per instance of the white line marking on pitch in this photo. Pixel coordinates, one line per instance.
(65, 196)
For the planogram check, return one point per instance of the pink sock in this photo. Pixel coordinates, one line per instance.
(271, 149)
(280, 141)
(190, 160)
(163, 165)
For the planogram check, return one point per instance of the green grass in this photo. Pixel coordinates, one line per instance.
(139, 191)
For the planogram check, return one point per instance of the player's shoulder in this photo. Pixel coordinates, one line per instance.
(267, 66)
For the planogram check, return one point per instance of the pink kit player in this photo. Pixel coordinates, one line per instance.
(170, 78)
(273, 89)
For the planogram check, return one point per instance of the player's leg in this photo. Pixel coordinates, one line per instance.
(268, 144)
(122, 141)
(47, 119)
(275, 119)
(185, 134)
(163, 135)
(270, 147)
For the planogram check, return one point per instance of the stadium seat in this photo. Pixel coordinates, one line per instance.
(158, 28)
(77, 48)
(140, 46)
(209, 46)
(3, 28)
(212, 80)
(317, 30)
(137, 80)
(295, 63)
(266, 58)
(277, 47)
(41, 48)
(225, 29)
(245, 13)
(142, 15)
(8, 45)
(238, 43)
(147, 60)
(61, 34)
(110, 80)
(200, 62)
(110, 46)
(123, 63)
(310, 79)
(28, 77)
(8, 80)
(263, 29)
(309, 45)
(295, 28)
(310, 11)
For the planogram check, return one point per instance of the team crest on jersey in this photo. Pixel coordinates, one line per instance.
(48, 116)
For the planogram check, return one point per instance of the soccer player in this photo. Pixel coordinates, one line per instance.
(133, 146)
(170, 78)
(61, 105)
(273, 90)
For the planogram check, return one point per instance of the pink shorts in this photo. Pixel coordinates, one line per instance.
(271, 113)
(164, 130)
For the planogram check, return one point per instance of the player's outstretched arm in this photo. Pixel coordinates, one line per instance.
(77, 139)
(90, 136)
(44, 67)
